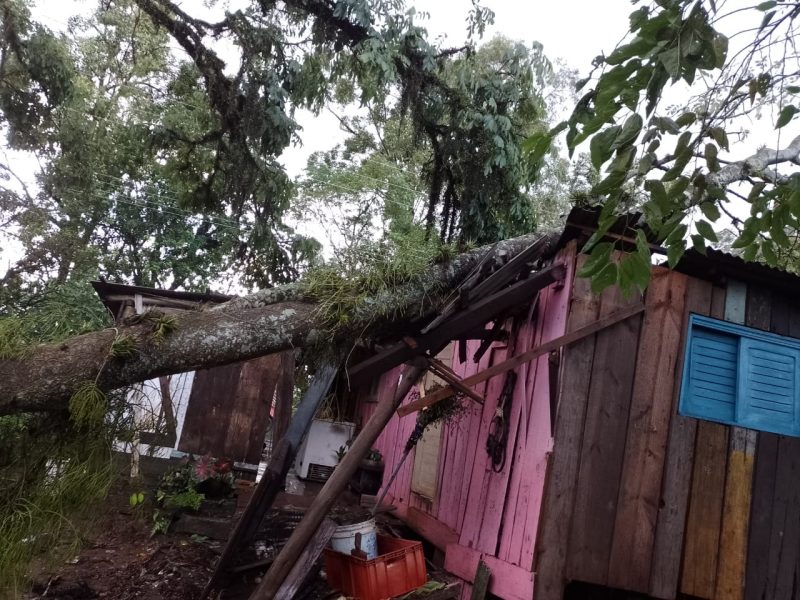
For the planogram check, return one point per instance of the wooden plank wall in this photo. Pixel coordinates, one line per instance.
(773, 562)
(479, 514)
(643, 499)
(229, 409)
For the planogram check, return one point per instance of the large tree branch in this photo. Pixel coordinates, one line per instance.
(241, 329)
(757, 165)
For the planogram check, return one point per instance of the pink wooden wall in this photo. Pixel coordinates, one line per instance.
(477, 513)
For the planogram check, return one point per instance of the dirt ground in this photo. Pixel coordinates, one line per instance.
(122, 560)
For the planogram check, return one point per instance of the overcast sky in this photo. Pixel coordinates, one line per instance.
(574, 30)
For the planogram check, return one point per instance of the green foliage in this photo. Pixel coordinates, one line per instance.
(680, 157)
(88, 406)
(189, 499)
(53, 480)
(55, 314)
(340, 287)
(186, 486)
(162, 325)
(124, 346)
(121, 179)
(161, 522)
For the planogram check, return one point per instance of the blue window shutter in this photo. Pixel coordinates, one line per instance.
(710, 375)
(768, 387)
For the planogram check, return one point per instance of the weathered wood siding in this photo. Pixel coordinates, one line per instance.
(229, 408)
(477, 513)
(640, 498)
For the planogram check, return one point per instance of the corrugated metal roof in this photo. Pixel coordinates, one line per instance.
(114, 295)
(715, 265)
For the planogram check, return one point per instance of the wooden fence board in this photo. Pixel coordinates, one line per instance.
(551, 553)
(782, 562)
(670, 524)
(759, 579)
(774, 537)
(651, 406)
(603, 444)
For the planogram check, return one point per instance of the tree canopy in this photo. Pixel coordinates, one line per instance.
(724, 67)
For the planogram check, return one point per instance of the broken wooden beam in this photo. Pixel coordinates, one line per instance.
(452, 378)
(336, 484)
(308, 558)
(454, 327)
(272, 481)
(528, 356)
(508, 271)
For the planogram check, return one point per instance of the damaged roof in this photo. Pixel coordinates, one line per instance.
(715, 266)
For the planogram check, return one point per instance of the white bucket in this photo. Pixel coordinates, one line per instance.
(344, 538)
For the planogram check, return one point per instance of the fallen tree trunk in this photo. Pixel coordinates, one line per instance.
(244, 328)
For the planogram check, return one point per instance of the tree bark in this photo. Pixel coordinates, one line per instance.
(244, 328)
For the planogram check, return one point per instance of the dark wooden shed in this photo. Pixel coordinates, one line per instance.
(224, 411)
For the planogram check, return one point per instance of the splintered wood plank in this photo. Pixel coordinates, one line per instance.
(524, 486)
(539, 434)
(206, 420)
(603, 446)
(739, 480)
(283, 397)
(651, 407)
(250, 409)
(307, 559)
(671, 520)
(497, 484)
(475, 415)
(559, 496)
(521, 414)
(482, 477)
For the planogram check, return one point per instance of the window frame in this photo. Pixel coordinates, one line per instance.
(743, 334)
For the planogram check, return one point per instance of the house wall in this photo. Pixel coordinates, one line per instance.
(643, 499)
(145, 399)
(229, 409)
(477, 513)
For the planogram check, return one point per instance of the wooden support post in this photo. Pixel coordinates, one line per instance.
(273, 479)
(308, 558)
(450, 376)
(322, 504)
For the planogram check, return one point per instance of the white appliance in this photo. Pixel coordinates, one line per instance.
(317, 457)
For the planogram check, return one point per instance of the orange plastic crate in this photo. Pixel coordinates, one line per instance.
(398, 569)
